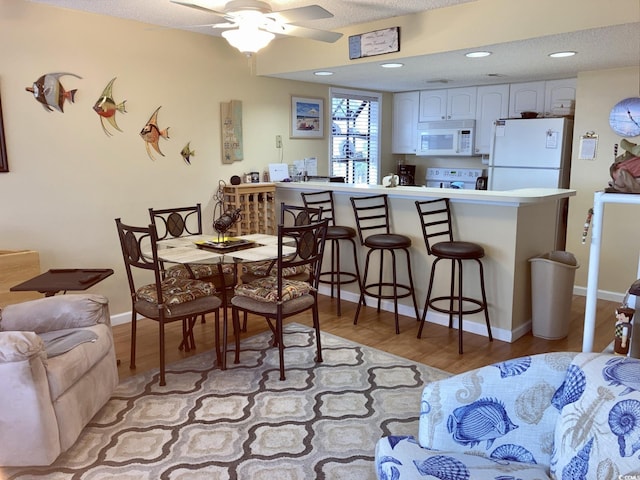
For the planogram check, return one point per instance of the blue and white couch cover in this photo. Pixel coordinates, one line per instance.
(560, 415)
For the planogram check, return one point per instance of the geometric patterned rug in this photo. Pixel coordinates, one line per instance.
(322, 422)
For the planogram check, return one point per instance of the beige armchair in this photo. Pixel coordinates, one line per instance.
(57, 369)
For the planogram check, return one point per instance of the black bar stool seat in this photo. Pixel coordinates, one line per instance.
(435, 217)
(335, 276)
(374, 229)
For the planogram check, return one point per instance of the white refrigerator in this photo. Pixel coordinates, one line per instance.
(530, 153)
(533, 153)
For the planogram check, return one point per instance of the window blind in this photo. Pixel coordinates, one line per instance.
(355, 125)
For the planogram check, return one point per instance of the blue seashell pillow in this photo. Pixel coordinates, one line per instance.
(598, 433)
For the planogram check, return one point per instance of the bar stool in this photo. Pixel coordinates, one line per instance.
(435, 217)
(372, 220)
(335, 233)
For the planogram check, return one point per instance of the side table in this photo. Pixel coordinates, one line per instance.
(63, 279)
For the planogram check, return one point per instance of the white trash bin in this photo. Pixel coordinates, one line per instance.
(552, 277)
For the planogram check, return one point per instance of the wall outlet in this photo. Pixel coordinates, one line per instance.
(278, 141)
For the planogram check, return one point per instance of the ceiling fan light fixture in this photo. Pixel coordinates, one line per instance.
(248, 40)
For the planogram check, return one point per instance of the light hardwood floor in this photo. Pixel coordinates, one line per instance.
(437, 348)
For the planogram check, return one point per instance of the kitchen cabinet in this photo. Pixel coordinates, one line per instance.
(492, 104)
(559, 97)
(405, 122)
(449, 104)
(542, 97)
(526, 97)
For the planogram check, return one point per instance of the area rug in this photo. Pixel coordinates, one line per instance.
(322, 422)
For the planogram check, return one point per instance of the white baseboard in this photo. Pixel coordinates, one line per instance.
(436, 317)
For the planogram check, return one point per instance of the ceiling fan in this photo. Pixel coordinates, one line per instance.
(251, 24)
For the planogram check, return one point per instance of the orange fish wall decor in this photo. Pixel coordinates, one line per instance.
(151, 134)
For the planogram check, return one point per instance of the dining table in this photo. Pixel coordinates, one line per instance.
(191, 250)
(207, 249)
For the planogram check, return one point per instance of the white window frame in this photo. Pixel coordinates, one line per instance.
(348, 151)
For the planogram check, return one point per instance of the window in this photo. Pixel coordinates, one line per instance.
(355, 139)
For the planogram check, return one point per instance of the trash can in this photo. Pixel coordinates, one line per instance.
(552, 276)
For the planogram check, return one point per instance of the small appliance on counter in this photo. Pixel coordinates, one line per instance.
(464, 178)
(407, 175)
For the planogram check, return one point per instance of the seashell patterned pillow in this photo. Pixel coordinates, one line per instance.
(598, 433)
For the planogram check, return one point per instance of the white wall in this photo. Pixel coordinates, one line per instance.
(68, 181)
(597, 93)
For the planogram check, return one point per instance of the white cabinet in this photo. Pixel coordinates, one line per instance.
(433, 105)
(405, 122)
(526, 97)
(492, 104)
(543, 97)
(450, 104)
(559, 97)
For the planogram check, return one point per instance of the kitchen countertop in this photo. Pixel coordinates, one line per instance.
(512, 227)
(507, 197)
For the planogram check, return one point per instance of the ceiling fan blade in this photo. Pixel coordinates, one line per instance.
(198, 7)
(304, 32)
(301, 14)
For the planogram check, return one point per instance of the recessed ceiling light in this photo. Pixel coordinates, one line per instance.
(392, 65)
(562, 54)
(323, 73)
(479, 54)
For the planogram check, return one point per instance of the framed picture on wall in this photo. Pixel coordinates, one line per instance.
(4, 164)
(307, 117)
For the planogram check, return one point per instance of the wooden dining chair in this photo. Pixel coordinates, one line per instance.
(276, 297)
(167, 299)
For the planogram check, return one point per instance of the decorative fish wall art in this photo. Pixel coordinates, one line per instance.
(50, 93)
(187, 153)
(151, 134)
(106, 107)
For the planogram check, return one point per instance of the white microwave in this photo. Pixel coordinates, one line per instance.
(447, 137)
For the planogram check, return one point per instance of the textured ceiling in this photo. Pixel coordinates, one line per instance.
(600, 48)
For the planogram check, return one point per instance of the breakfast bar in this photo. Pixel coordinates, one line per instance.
(512, 226)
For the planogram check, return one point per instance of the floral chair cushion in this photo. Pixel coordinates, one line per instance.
(598, 434)
(176, 291)
(266, 289)
(199, 271)
(262, 269)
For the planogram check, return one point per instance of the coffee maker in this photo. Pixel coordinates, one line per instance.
(406, 174)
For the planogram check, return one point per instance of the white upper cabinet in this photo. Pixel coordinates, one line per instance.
(450, 104)
(559, 97)
(549, 98)
(405, 122)
(433, 105)
(492, 104)
(526, 97)
(461, 103)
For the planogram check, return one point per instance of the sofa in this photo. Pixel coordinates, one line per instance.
(57, 369)
(558, 415)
